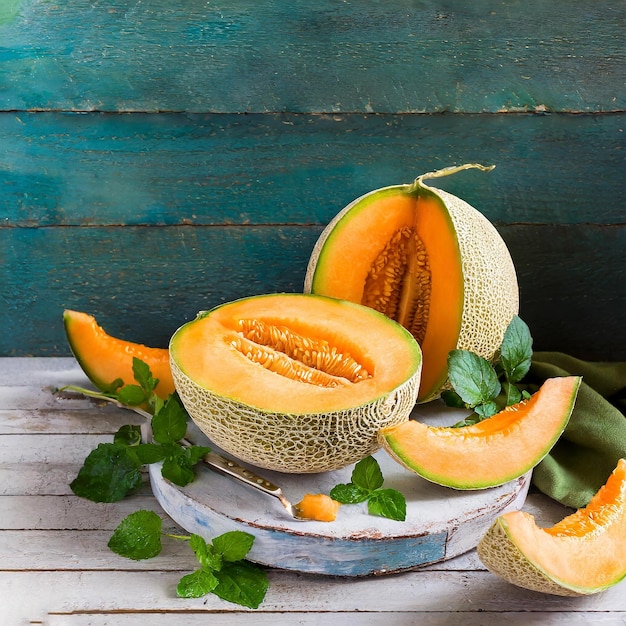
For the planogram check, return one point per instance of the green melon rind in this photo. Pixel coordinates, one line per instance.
(397, 451)
(500, 555)
(317, 442)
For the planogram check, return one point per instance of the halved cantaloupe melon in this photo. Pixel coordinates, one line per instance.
(427, 259)
(582, 554)
(295, 382)
(491, 452)
(104, 359)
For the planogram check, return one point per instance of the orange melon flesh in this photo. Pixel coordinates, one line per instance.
(353, 245)
(318, 507)
(104, 358)
(492, 452)
(203, 350)
(582, 554)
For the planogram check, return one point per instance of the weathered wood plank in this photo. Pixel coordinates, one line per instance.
(420, 592)
(143, 283)
(572, 287)
(376, 618)
(95, 169)
(126, 55)
(91, 421)
(69, 512)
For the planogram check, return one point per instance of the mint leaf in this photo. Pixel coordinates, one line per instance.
(175, 469)
(108, 474)
(195, 454)
(179, 462)
(512, 395)
(453, 399)
(367, 474)
(169, 425)
(242, 583)
(222, 570)
(205, 553)
(516, 352)
(129, 435)
(387, 503)
(473, 377)
(347, 493)
(138, 536)
(486, 409)
(233, 545)
(143, 375)
(132, 395)
(197, 584)
(366, 485)
(148, 453)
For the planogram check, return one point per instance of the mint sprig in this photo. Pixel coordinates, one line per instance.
(487, 388)
(366, 485)
(113, 470)
(223, 569)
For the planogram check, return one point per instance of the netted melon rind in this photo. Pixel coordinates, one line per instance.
(502, 557)
(491, 293)
(294, 443)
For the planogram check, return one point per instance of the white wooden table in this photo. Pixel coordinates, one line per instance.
(56, 568)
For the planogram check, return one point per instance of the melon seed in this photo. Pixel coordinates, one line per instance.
(398, 283)
(290, 354)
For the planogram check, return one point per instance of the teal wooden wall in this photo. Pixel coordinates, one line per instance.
(158, 158)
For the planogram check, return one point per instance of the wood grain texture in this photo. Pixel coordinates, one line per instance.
(429, 56)
(100, 169)
(143, 283)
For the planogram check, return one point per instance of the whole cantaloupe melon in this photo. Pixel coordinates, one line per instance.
(295, 382)
(427, 259)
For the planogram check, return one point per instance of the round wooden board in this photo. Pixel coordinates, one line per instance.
(441, 523)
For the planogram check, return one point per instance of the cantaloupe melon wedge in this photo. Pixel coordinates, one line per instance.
(294, 382)
(104, 358)
(427, 259)
(489, 453)
(583, 554)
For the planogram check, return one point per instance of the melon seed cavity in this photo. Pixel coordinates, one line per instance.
(290, 354)
(398, 283)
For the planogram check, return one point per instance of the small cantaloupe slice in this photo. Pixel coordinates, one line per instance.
(582, 554)
(427, 259)
(492, 452)
(104, 358)
(294, 382)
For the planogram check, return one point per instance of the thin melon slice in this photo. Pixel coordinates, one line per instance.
(427, 259)
(489, 453)
(295, 382)
(104, 358)
(582, 554)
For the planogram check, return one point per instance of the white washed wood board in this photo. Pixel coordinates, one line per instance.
(441, 522)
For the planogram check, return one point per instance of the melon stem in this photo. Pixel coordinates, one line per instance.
(446, 171)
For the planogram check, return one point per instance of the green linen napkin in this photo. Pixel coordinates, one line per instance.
(595, 437)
